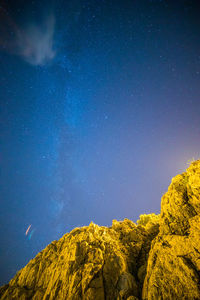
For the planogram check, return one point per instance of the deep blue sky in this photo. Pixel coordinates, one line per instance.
(99, 108)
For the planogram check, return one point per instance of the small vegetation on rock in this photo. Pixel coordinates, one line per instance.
(149, 219)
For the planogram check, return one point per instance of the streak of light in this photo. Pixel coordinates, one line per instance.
(27, 230)
(30, 235)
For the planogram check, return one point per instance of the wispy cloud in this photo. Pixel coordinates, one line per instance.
(35, 43)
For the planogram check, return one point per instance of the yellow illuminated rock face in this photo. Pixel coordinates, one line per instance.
(91, 262)
(159, 258)
(173, 270)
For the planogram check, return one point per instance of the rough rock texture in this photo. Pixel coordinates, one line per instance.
(89, 263)
(157, 259)
(174, 260)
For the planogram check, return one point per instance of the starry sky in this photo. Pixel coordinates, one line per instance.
(99, 109)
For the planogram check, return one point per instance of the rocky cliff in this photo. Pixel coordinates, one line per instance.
(157, 258)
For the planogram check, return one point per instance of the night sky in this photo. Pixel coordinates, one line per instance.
(99, 109)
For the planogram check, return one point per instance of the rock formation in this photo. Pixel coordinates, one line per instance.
(173, 270)
(157, 258)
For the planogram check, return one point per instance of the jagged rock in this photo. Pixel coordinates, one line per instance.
(173, 270)
(159, 258)
(89, 263)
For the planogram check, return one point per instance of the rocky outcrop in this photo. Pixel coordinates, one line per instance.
(173, 270)
(157, 258)
(89, 263)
